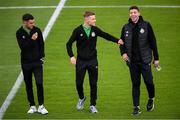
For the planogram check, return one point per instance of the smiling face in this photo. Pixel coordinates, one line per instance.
(90, 20)
(134, 15)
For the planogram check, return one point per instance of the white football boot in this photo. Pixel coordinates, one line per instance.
(42, 110)
(93, 109)
(80, 104)
(32, 109)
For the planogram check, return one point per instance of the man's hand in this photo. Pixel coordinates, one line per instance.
(125, 57)
(120, 42)
(156, 62)
(34, 36)
(156, 65)
(73, 60)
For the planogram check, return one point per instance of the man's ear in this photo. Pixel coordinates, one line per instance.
(24, 22)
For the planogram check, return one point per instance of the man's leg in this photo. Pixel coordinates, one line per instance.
(38, 74)
(27, 72)
(148, 79)
(93, 78)
(136, 81)
(80, 74)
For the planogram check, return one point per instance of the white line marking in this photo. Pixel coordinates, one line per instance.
(20, 78)
(53, 18)
(26, 7)
(71, 7)
(125, 6)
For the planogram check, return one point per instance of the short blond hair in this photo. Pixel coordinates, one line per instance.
(88, 13)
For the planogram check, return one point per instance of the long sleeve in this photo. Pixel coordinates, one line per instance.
(70, 42)
(41, 41)
(106, 35)
(122, 47)
(22, 42)
(152, 41)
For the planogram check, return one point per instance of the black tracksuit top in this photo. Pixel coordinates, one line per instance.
(31, 50)
(86, 46)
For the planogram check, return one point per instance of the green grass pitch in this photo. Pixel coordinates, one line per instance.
(114, 85)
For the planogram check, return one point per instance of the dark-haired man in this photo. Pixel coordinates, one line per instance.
(139, 44)
(85, 36)
(30, 41)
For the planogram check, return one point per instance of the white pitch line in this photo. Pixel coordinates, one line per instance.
(20, 78)
(26, 7)
(72, 7)
(53, 18)
(126, 6)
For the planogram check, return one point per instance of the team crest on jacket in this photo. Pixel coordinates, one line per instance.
(23, 37)
(142, 30)
(93, 34)
(81, 34)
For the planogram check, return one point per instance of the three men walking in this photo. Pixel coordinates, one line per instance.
(137, 44)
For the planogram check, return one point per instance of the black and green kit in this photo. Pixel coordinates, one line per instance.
(86, 38)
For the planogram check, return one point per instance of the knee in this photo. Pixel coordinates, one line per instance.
(39, 85)
(93, 84)
(39, 82)
(79, 84)
(136, 85)
(149, 83)
(29, 88)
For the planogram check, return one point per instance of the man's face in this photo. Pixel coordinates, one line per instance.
(91, 20)
(29, 23)
(134, 15)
